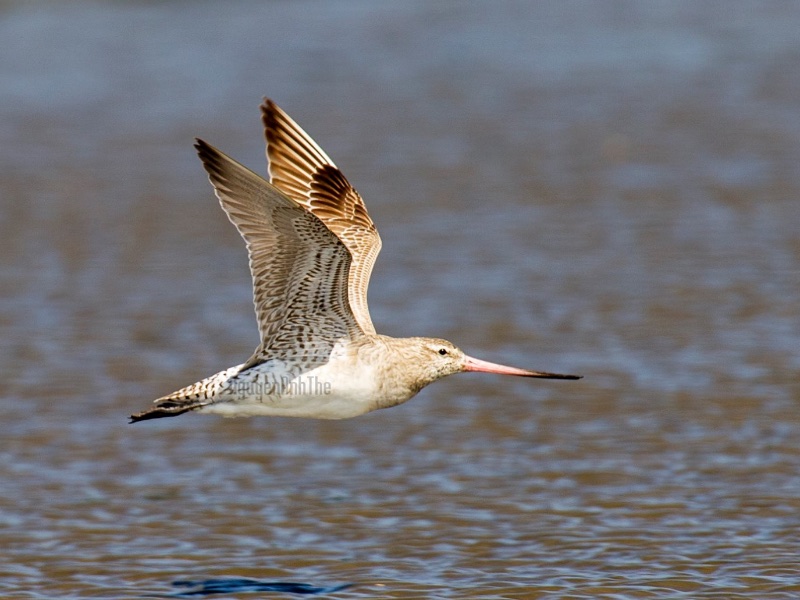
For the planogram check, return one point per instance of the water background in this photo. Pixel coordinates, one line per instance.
(607, 188)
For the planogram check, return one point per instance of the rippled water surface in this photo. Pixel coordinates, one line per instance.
(609, 188)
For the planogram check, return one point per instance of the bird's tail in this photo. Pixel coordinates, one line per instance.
(169, 408)
(192, 397)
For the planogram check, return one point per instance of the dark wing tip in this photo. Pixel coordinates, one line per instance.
(202, 147)
(268, 104)
(204, 150)
(212, 159)
(269, 112)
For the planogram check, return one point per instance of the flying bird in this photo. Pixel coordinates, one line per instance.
(312, 246)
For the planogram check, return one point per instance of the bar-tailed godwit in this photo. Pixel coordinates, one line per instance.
(312, 246)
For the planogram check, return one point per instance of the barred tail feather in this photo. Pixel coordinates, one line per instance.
(192, 397)
(168, 408)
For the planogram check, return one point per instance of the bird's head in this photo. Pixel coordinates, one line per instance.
(435, 358)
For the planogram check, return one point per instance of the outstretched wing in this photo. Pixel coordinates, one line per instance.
(301, 170)
(300, 268)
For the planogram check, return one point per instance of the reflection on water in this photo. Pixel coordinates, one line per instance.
(211, 587)
(608, 190)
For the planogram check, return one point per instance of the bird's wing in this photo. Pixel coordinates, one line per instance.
(299, 267)
(301, 170)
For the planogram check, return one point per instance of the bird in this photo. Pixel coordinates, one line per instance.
(311, 246)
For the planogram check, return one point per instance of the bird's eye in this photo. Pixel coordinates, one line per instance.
(442, 351)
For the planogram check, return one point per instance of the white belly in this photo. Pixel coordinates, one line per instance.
(335, 390)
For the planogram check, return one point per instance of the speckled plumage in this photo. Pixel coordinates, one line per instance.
(311, 246)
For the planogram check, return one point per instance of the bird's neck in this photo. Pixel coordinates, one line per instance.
(399, 373)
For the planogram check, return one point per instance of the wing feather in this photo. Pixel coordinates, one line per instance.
(302, 170)
(300, 268)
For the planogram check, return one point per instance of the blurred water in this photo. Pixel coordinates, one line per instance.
(604, 188)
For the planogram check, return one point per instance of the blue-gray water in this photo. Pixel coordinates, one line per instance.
(611, 189)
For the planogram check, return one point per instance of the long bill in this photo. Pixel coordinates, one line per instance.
(482, 366)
